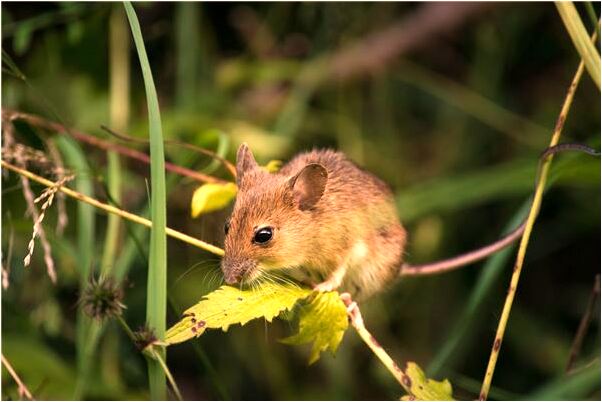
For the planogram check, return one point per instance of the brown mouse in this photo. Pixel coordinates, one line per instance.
(321, 220)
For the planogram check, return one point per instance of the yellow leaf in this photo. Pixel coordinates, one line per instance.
(230, 305)
(272, 166)
(211, 197)
(322, 321)
(425, 389)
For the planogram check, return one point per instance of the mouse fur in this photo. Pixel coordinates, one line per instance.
(333, 225)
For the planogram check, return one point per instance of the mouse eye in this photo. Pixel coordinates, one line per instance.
(226, 227)
(263, 235)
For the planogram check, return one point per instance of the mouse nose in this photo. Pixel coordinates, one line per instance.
(231, 277)
(235, 269)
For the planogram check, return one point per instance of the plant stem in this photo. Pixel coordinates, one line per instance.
(583, 325)
(168, 374)
(114, 210)
(22, 387)
(526, 236)
(9, 115)
(357, 322)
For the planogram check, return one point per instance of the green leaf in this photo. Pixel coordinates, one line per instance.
(322, 321)
(211, 197)
(272, 166)
(230, 305)
(425, 389)
(22, 38)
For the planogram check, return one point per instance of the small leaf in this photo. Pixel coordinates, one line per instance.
(22, 38)
(229, 305)
(272, 166)
(211, 197)
(322, 321)
(425, 389)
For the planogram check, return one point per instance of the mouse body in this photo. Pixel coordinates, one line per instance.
(320, 219)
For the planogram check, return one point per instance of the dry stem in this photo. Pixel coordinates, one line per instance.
(23, 391)
(526, 236)
(355, 317)
(583, 325)
(113, 210)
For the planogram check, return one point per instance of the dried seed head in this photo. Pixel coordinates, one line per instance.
(144, 337)
(102, 299)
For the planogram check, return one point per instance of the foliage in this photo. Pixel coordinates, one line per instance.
(425, 389)
(229, 305)
(322, 322)
(212, 197)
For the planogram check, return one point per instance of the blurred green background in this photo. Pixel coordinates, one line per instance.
(450, 104)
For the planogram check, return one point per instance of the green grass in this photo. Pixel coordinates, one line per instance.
(156, 295)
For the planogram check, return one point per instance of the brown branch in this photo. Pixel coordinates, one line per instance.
(379, 49)
(23, 391)
(229, 166)
(583, 325)
(37, 121)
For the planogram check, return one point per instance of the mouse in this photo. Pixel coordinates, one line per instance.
(326, 222)
(321, 220)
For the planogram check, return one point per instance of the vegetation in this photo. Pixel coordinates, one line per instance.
(117, 118)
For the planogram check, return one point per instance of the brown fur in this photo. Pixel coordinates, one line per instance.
(349, 222)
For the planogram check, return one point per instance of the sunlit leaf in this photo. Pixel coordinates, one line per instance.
(230, 305)
(423, 388)
(322, 321)
(212, 197)
(273, 166)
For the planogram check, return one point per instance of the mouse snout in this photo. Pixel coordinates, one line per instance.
(235, 268)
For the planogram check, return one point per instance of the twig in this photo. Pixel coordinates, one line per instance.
(106, 145)
(583, 325)
(526, 236)
(113, 210)
(229, 166)
(172, 381)
(355, 317)
(22, 388)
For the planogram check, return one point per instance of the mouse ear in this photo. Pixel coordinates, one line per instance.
(308, 185)
(244, 161)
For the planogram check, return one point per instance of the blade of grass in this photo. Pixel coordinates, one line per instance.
(156, 296)
(119, 50)
(76, 160)
(187, 53)
(580, 37)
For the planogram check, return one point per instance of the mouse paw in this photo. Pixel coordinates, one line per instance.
(349, 303)
(324, 287)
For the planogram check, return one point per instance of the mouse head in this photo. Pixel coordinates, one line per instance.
(271, 222)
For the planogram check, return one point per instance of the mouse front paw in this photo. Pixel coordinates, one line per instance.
(326, 286)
